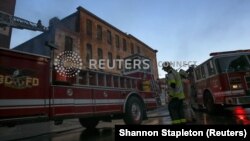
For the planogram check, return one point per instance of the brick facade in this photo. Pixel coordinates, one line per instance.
(88, 34)
(119, 49)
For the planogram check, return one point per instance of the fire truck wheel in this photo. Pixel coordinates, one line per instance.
(134, 111)
(209, 103)
(88, 123)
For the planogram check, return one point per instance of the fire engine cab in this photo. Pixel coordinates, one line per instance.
(224, 80)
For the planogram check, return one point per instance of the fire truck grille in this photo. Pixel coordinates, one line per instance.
(244, 100)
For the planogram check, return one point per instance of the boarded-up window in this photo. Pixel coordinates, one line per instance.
(138, 50)
(117, 41)
(99, 32)
(124, 45)
(100, 54)
(118, 63)
(109, 37)
(89, 53)
(89, 27)
(132, 48)
(68, 43)
(110, 59)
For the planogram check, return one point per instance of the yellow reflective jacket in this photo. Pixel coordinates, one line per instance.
(174, 77)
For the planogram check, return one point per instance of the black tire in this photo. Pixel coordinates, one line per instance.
(133, 111)
(88, 123)
(209, 103)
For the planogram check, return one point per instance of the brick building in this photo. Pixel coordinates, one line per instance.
(7, 6)
(92, 38)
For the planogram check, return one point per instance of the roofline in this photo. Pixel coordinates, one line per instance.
(32, 39)
(142, 43)
(44, 33)
(65, 18)
(80, 8)
(23, 52)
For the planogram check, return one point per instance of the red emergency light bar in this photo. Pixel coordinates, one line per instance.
(228, 52)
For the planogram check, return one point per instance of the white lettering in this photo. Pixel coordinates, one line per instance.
(126, 132)
(92, 63)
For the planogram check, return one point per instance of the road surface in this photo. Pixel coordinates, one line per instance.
(71, 129)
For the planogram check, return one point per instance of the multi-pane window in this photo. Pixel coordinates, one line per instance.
(68, 45)
(138, 50)
(117, 41)
(89, 52)
(124, 44)
(132, 48)
(100, 54)
(110, 58)
(118, 63)
(89, 27)
(109, 37)
(99, 32)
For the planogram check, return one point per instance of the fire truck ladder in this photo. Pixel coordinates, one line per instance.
(16, 22)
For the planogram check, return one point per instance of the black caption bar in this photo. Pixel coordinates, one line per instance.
(182, 132)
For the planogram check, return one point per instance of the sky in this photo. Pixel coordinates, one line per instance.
(181, 30)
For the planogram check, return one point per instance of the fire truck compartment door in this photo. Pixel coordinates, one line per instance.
(108, 101)
(23, 85)
(62, 101)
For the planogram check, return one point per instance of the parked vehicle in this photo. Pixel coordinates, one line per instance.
(31, 90)
(223, 80)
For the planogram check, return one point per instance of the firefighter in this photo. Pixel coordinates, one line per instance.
(188, 111)
(176, 94)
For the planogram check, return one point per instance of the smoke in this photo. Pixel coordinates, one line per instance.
(210, 25)
(44, 9)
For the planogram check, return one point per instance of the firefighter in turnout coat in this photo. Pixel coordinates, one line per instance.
(176, 94)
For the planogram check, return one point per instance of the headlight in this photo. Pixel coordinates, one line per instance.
(236, 86)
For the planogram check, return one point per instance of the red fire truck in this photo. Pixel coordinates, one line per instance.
(224, 80)
(31, 91)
